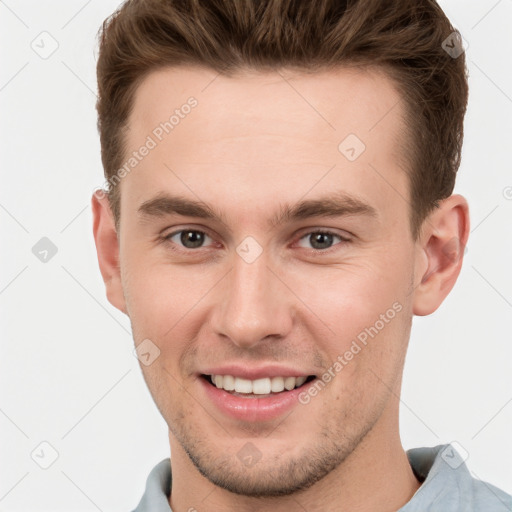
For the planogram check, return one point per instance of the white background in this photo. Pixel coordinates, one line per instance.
(68, 376)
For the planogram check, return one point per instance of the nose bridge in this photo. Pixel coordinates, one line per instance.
(252, 307)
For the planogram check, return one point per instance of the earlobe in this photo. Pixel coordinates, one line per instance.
(107, 249)
(441, 252)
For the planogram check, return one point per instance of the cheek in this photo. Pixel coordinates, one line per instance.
(160, 296)
(361, 323)
(351, 297)
(165, 304)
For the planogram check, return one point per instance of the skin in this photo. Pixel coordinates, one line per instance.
(252, 145)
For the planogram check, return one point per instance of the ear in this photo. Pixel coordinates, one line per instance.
(107, 248)
(441, 250)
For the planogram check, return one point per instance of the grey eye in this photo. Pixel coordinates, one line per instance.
(189, 238)
(320, 240)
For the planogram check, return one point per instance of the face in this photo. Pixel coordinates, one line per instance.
(261, 241)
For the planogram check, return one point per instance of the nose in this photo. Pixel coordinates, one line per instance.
(253, 304)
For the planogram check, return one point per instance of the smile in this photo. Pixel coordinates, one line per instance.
(253, 400)
(258, 387)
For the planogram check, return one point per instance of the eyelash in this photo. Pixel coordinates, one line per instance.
(167, 239)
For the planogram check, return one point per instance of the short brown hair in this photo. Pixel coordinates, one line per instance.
(407, 38)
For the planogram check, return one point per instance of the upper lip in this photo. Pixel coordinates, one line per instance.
(255, 372)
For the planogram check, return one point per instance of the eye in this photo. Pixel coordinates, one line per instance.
(321, 240)
(188, 238)
(318, 240)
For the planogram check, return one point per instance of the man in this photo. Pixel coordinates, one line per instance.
(279, 206)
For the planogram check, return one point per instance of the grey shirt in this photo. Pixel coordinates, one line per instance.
(447, 485)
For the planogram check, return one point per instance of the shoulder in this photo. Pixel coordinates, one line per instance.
(449, 486)
(158, 485)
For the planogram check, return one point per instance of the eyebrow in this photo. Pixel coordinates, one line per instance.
(333, 205)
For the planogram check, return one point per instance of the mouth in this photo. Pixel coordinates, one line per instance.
(257, 388)
(254, 394)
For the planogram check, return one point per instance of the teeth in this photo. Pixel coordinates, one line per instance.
(243, 386)
(289, 383)
(299, 381)
(261, 386)
(257, 387)
(277, 384)
(228, 382)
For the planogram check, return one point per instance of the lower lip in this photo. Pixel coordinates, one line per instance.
(252, 409)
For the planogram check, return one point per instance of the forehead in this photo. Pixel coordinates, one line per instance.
(282, 128)
(331, 100)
